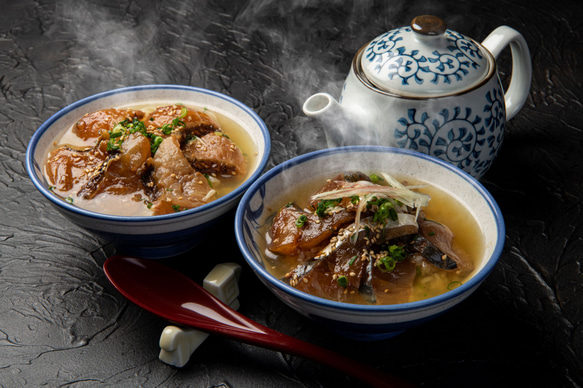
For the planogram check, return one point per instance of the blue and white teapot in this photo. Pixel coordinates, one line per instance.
(429, 89)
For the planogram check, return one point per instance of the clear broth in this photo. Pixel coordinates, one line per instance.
(134, 204)
(443, 208)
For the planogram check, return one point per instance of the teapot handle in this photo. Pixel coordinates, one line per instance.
(517, 92)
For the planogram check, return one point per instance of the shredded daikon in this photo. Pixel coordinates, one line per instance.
(408, 197)
(366, 190)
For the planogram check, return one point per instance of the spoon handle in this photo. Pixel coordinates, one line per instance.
(306, 350)
(229, 323)
(171, 295)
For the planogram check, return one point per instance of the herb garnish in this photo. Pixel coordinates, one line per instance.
(155, 144)
(176, 208)
(395, 254)
(375, 178)
(122, 130)
(208, 180)
(342, 281)
(301, 220)
(325, 204)
(454, 284)
(385, 209)
(167, 129)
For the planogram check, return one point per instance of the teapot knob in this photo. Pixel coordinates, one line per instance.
(428, 25)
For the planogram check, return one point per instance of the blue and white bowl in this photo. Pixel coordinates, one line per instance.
(153, 236)
(367, 322)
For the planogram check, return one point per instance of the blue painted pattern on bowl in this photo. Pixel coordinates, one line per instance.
(149, 236)
(366, 322)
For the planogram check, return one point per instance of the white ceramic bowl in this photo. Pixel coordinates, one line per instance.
(153, 236)
(367, 322)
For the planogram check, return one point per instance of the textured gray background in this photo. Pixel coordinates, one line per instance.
(62, 324)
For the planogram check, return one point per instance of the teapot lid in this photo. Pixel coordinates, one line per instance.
(424, 59)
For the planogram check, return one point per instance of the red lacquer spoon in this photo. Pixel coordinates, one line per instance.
(167, 293)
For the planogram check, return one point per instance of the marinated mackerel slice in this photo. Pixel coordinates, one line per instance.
(179, 186)
(122, 172)
(184, 122)
(442, 238)
(216, 154)
(68, 168)
(288, 238)
(92, 124)
(348, 269)
(332, 274)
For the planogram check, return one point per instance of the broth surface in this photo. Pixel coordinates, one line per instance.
(138, 203)
(468, 238)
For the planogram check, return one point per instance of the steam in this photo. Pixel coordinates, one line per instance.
(108, 49)
(251, 50)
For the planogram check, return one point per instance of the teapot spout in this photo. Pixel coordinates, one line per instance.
(319, 104)
(342, 126)
(327, 110)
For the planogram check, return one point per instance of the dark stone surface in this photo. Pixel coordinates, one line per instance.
(62, 324)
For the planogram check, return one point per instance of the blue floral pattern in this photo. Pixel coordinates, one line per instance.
(458, 135)
(394, 60)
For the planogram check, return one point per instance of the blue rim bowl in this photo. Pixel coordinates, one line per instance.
(366, 322)
(149, 236)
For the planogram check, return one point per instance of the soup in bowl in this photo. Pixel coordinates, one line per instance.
(373, 240)
(151, 167)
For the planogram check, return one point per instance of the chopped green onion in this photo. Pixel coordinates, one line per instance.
(342, 281)
(301, 220)
(354, 199)
(167, 129)
(69, 200)
(155, 144)
(113, 146)
(208, 180)
(454, 284)
(395, 254)
(325, 204)
(374, 178)
(352, 260)
(387, 264)
(176, 208)
(115, 133)
(385, 209)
